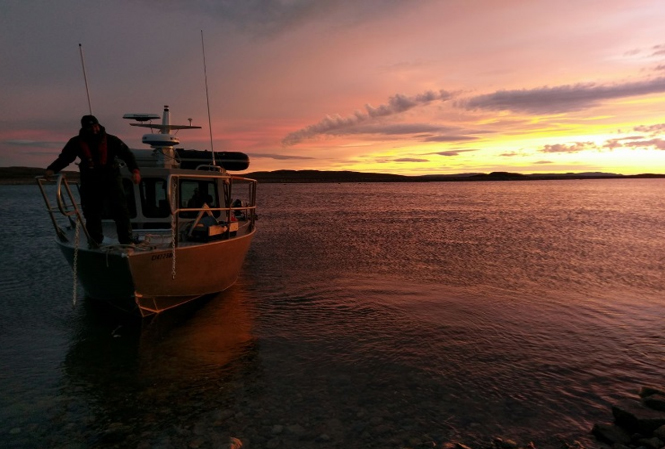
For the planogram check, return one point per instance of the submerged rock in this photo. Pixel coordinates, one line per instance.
(655, 401)
(634, 416)
(649, 391)
(610, 433)
(638, 423)
(651, 443)
(660, 433)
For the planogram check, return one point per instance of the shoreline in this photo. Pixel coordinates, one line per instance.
(26, 175)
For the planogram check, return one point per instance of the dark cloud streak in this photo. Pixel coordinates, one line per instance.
(337, 124)
(449, 138)
(410, 159)
(396, 129)
(567, 98)
(451, 152)
(33, 143)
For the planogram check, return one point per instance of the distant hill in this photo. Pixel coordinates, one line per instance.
(26, 175)
(323, 176)
(286, 176)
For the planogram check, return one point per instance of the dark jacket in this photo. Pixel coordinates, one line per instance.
(115, 148)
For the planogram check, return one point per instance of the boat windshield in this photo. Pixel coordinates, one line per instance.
(196, 193)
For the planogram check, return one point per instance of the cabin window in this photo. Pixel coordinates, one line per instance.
(154, 201)
(196, 193)
(128, 188)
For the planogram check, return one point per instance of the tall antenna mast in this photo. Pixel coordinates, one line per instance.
(85, 78)
(205, 73)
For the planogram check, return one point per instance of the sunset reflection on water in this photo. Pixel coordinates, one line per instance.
(369, 313)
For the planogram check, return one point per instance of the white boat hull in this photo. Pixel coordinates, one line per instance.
(144, 282)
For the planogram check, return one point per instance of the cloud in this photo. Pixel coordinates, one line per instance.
(571, 148)
(619, 142)
(658, 144)
(448, 138)
(33, 143)
(639, 142)
(510, 154)
(543, 162)
(337, 124)
(422, 131)
(658, 50)
(613, 144)
(651, 52)
(451, 152)
(395, 129)
(552, 100)
(651, 129)
(410, 159)
(281, 157)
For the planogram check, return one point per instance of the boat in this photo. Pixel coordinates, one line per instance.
(193, 223)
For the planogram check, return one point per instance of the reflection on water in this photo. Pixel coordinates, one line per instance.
(128, 377)
(383, 315)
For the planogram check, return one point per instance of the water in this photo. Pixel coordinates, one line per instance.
(367, 315)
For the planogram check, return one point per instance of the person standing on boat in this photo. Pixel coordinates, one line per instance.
(100, 176)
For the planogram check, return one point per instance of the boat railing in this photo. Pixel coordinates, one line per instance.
(249, 209)
(66, 205)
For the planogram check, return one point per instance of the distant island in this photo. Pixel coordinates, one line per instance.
(26, 175)
(286, 176)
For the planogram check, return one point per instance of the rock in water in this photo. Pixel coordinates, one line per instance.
(648, 391)
(635, 417)
(655, 401)
(610, 433)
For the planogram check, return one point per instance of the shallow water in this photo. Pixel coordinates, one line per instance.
(367, 315)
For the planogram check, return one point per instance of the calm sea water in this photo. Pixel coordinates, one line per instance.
(367, 315)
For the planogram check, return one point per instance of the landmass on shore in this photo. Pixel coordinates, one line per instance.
(26, 175)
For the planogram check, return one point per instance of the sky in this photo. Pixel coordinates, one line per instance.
(409, 87)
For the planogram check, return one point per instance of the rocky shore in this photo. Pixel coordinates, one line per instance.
(498, 443)
(639, 422)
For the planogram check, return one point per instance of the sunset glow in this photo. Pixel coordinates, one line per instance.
(420, 87)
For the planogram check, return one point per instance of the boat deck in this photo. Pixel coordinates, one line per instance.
(150, 239)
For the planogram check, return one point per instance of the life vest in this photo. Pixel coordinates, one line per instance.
(102, 149)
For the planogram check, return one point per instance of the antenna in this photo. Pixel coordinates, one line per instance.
(205, 73)
(85, 78)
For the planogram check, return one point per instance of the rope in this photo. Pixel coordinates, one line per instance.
(173, 226)
(76, 257)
